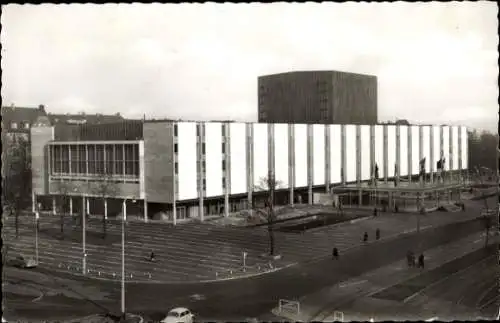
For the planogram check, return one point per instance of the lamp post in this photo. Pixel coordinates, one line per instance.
(37, 215)
(124, 219)
(84, 231)
(124, 215)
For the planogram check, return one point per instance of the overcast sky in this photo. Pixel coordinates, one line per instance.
(435, 62)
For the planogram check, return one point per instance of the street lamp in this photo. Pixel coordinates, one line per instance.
(84, 247)
(37, 216)
(124, 218)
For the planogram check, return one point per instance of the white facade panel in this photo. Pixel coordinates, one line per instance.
(403, 150)
(335, 153)
(446, 147)
(238, 162)
(379, 150)
(186, 161)
(465, 148)
(391, 150)
(281, 155)
(319, 154)
(454, 139)
(260, 156)
(426, 147)
(437, 145)
(365, 153)
(300, 158)
(415, 150)
(350, 139)
(213, 158)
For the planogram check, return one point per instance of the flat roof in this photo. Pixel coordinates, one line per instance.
(408, 187)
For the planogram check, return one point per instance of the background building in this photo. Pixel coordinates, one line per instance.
(194, 169)
(321, 97)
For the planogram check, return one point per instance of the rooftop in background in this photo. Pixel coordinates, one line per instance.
(121, 130)
(83, 118)
(20, 119)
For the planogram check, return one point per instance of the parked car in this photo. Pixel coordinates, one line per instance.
(179, 315)
(22, 261)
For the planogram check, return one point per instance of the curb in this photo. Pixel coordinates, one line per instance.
(206, 281)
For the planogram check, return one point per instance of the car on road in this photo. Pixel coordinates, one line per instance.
(179, 315)
(22, 261)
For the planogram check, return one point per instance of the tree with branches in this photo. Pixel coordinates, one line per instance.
(270, 185)
(63, 188)
(105, 188)
(16, 176)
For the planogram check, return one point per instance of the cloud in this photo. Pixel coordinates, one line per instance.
(202, 60)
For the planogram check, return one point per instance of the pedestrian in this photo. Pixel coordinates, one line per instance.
(375, 212)
(409, 258)
(396, 208)
(152, 257)
(335, 254)
(462, 204)
(421, 261)
(377, 234)
(365, 237)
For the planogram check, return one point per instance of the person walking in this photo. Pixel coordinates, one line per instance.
(335, 254)
(365, 237)
(375, 212)
(377, 234)
(421, 261)
(409, 259)
(152, 257)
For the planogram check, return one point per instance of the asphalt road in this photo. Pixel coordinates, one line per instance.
(473, 285)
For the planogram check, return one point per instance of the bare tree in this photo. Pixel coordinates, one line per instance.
(63, 188)
(16, 170)
(105, 188)
(269, 184)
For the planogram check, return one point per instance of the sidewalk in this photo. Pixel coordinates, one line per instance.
(322, 305)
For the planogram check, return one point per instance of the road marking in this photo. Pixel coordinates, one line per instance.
(353, 283)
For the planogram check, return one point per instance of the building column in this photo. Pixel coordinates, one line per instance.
(33, 202)
(291, 162)
(327, 159)
(372, 153)
(310, 163)
(54, 211)
(249, 162)
(174, 212)
(71, 205)
(105, 202)
(386, 155)
(410, 153)
(343, 155)
(398, 154)
(227, 172)
(145, 211)
(201, 171)
(358, 154)
(87, 211)
(431, 145)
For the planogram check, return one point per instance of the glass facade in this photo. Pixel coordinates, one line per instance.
(120, 161)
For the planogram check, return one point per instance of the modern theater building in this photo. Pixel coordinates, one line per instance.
(197, 169)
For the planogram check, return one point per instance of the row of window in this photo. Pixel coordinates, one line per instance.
(223, 147)
(22, 125)
(98, 159)
(176, 130)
